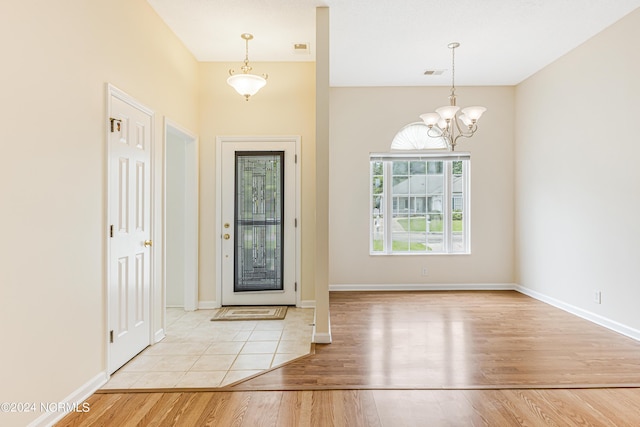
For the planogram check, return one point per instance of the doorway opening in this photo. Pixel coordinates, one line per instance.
(181, 218)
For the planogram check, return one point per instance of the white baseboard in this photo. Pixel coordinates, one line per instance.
(74, 400)
(585, 314)
(309, 303)
(159, 335)
(321, 337)
(210, 305)
(342, 287)
(207, 305)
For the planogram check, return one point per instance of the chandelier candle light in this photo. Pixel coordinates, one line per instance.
(445, 122)
(246, 84)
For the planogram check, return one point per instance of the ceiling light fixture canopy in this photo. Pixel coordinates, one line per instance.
(446, 122)
(246, 84)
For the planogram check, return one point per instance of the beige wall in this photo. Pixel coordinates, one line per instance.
(578, 177)
(365, 120)
(56, 58)
(285, 106)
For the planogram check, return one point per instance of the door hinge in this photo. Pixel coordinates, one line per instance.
(295, 222)
(117, 123)
(111, 231)
(295, 158)
(111, 336)
(296, 287)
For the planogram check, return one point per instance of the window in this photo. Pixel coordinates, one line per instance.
(419, 203)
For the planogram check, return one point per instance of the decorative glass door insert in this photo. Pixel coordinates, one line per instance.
(259, 226)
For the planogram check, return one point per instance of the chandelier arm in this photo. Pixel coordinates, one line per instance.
(462, 134)
(435, 135)
(466, 131)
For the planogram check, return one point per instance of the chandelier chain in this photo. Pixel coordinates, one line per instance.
(453, 74)
(453, 68)
(246, 51)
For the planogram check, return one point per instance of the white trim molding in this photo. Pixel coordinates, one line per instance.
(72, 402)
(208, 305)
(585, 314)
(344, 287)
(324, 338)
(321, 337)
(308, 303)
(159, 336)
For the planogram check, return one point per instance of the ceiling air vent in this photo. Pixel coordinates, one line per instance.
(301, 48)
(434, 72)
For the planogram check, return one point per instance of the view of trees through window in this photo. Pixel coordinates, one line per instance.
(419, 206)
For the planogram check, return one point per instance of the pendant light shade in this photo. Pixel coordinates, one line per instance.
(246, 84)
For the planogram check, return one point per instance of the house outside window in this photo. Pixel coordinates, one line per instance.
(419, 203)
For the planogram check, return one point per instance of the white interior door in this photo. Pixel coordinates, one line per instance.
(129, 216)
(259, 222)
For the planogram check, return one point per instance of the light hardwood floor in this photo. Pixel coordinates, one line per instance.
(500, 339)
(420, 358)
(393, 408)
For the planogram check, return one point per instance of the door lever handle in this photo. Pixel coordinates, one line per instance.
(148, 243)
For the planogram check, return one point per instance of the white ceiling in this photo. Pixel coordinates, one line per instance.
(392, 42)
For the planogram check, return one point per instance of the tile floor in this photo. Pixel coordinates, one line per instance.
(200, 353)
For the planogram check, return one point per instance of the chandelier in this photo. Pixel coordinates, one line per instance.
(246, 84)
(446, 123)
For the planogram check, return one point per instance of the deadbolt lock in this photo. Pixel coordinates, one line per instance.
(226, 225)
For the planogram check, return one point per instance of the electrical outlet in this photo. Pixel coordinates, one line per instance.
(425, 271)
(597, 297)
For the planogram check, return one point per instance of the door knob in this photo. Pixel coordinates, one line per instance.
(226, 237)
(148, 243)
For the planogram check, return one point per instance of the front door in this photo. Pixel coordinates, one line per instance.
(129, 216)
(258, 223)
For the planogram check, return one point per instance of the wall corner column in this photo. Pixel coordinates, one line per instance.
(322, 331)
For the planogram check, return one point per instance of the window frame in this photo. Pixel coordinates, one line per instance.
(448, 158)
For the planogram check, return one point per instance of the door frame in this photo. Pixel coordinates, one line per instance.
(113, 91)
(191, 144)
(220, 140)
